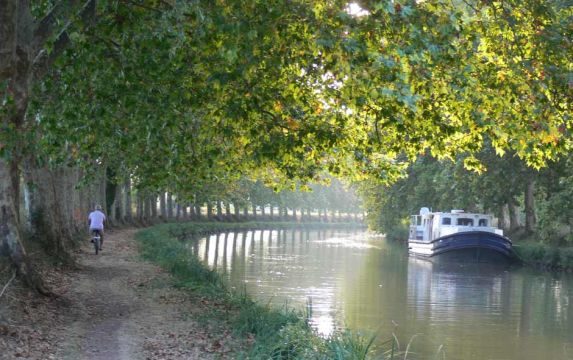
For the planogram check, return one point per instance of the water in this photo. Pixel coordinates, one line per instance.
(359, 281)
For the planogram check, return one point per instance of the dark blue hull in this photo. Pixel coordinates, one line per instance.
(472, 247)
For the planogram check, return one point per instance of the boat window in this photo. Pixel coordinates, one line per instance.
(482, 222)
(447, 221)
(465, 222)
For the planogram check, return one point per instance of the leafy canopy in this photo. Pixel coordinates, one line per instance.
(179, 93)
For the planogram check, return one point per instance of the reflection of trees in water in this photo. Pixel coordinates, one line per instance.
(514, 311)
(517, 311)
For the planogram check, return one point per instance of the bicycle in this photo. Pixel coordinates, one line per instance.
(96, 240)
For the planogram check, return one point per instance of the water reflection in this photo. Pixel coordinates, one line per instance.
(366, 283)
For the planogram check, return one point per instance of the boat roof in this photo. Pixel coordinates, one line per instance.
(426, 211)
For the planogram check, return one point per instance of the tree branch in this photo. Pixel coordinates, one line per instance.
(44, 60)
(46, 27)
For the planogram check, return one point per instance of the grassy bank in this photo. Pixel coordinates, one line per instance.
(545, 256)
(279, 333)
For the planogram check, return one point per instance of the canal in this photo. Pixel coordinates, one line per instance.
(352, 279)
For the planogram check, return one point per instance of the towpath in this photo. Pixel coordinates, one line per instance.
(117, 306)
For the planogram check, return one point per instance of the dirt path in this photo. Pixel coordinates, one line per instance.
(120, 307)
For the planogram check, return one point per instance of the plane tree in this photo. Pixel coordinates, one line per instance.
(179, 91)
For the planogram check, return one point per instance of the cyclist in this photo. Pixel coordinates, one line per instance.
(96, 220)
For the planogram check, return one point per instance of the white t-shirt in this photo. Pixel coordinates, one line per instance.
(96, 220)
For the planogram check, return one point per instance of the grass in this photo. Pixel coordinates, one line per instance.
(279, 333)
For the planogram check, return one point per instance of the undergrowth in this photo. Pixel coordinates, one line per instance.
(551, 257)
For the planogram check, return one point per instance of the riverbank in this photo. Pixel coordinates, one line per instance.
(545, 256)
(273, 332)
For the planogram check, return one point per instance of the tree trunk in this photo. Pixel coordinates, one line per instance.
(254, 211)
(169, 206)
(56, 210)
(102, 190)
(21, 39)
(530, 218)
(128, 209)
(209, 210)
(513, 215)
(118, 205)
(219, 209)
(149, 201)
(154, 207)
(237, 210)
(162, 206)
(112, 217)
(145, 204)
(139, 200)
(10, 234)
(504, 218)
(228, 209)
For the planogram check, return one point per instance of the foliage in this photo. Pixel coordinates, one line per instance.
(538, 254)
(218, 89)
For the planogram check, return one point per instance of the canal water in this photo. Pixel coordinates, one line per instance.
(355, 280)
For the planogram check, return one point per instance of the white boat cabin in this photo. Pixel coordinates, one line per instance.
(429, 225)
